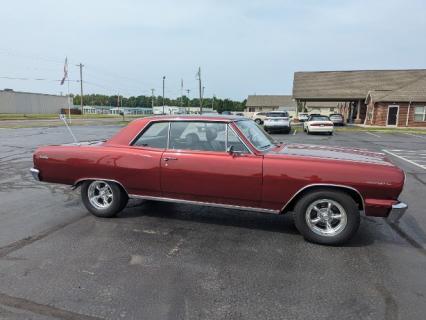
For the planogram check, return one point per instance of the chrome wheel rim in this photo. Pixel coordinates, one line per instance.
(100, 194)
(326, 217)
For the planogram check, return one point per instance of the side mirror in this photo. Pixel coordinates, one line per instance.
(233, 152)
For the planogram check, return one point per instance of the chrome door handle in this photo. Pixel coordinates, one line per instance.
(169, 159)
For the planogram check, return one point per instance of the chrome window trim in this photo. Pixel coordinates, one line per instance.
(324, 185)
(168, 136)
(202, 203)
(143, 130)
(242, 141)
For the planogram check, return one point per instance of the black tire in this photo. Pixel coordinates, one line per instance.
(348, 229)
(118, 201)
(258, 121)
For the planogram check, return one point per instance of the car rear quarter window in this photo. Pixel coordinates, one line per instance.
(155, 136)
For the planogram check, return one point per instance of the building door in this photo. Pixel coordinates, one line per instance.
(393, 111)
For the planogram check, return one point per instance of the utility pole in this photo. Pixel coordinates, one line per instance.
(213, 101)
(187, 91)
(152, 99)
(199, 88)
(164, 78)
(81, 85)
(181, 93)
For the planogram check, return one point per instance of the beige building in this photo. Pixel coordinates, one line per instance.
(264, 103)
(371, 97)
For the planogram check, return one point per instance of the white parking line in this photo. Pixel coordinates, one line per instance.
(373, 134)
(294, 132)
(415, 135)
(405, 159)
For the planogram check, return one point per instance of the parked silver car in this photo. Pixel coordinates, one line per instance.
(337, 119)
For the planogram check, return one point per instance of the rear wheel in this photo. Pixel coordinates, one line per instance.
(258, 121)
(327, 217)
(103, 199)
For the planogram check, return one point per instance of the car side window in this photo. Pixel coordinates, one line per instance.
(155, 136)
(192, 135)
(235, 142)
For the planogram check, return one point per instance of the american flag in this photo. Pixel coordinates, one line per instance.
(65, 71)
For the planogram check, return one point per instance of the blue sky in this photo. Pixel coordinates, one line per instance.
(243, 47)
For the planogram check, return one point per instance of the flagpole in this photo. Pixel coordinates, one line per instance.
(69, 106)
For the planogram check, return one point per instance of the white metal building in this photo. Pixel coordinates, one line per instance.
(31, 103)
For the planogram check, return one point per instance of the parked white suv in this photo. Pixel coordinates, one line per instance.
(276, 121)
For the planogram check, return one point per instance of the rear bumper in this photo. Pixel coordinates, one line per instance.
(320, 129)
(277, 127)
(397, 211)
(35, 173)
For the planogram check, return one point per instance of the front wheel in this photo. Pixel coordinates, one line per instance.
(258, 121)
(327, 217)
(103, 199)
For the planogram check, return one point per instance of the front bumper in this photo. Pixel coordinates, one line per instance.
(35, 173)
(397, 212)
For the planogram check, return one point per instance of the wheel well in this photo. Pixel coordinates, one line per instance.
(78, 183)
(355, 195)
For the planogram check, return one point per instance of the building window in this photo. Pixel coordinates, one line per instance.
(420, 114)
(252, 109)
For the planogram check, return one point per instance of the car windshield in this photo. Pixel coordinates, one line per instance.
(319, 118)
(258, 138)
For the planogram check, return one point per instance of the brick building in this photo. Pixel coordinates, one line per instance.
(371, 97)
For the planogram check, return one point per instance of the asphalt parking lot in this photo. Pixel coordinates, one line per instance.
(170, 261)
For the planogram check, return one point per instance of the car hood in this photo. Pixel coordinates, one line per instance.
(329, 152)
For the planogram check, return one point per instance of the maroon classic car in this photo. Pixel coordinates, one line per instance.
(230, 162)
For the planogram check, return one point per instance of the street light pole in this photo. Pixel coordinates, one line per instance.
(164, 78)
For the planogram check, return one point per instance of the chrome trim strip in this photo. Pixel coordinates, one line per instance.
(173, 120)
(168, 136)
(35, 173)
(324, 185)
(242, 141)
(201, 203)
(75, 185)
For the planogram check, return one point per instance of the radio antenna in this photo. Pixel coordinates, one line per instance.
(63, 117)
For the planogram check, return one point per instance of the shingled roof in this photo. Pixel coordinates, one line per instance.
(414, 91)
(270, 101)
(354, 85)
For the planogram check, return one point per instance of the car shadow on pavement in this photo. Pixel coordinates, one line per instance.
(212, 215)
(228, 217)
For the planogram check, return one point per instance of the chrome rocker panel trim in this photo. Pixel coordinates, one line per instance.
(201, 203)
(397, 211)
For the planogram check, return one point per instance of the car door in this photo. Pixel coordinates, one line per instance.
(140, 164)
(197, 167)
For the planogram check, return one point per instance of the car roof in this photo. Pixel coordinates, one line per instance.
(203, 117)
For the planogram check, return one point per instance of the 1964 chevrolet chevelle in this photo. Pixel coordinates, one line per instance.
(228, 162)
